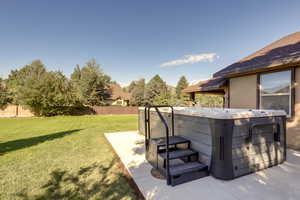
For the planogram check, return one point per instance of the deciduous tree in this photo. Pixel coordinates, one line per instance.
(20, 82)
(4, 96)
(45, 93)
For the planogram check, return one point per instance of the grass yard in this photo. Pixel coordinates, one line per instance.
(62, 158)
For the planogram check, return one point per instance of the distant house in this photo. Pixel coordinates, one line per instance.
(118, 96)
(266, 79)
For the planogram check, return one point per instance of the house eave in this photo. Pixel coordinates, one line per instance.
(213, 85)
(267, 69)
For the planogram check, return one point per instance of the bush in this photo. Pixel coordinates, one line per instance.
(66, 110)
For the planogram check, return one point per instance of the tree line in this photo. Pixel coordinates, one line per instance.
(49, 93)
(157, 92)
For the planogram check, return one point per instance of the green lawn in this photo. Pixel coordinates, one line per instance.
(62, 158)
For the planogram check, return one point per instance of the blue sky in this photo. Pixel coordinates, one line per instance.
(138, 39)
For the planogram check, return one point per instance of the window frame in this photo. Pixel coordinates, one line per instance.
(291, 90)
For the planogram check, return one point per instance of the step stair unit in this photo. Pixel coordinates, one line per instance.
(172, 155)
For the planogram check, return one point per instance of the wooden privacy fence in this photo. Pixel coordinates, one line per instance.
(21, 111)
(15, 111)
(114, 110)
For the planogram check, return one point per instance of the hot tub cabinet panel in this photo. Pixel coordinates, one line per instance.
(233, 144)
(198, 131)
(265, 147)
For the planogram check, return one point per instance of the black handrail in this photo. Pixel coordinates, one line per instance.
(147, 126)
(147, 132)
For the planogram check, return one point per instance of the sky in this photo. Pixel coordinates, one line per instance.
(136, 39)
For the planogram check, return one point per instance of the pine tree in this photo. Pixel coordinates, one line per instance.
(92, 86)
(76, 75)
(156, 92)
(132, 85)
(181, 84)
(138, 93)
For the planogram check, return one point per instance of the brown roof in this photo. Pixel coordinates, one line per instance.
(282, 52)
(216, 83)
(118, 93)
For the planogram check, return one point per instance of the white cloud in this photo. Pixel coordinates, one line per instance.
(191, 59)
(194, 82)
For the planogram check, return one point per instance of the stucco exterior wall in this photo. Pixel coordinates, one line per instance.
(243, 94)
(242, 91)
(293, 126)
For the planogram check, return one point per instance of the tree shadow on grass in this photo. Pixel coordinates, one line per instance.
(92, 182)
(28, 142)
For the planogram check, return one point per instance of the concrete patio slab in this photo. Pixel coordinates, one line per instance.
(276, 183)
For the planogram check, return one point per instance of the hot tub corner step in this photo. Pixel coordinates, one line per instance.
(178, 154)
(187, 172)
(172, 140)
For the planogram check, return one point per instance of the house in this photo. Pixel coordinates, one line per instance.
(266, 79)
(118, 96)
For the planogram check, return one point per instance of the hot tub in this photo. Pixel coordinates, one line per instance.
(231, 142)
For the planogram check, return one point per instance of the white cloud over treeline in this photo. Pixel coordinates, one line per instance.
(191, 59)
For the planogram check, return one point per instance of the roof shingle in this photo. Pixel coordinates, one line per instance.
(284, 51)
(118, 93)
(211, 84)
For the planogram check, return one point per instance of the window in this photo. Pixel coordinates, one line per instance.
(275, 91)
(119, 102)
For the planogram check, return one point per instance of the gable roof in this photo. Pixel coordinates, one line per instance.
(282, 52)
(118, 93)
(216, 83)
